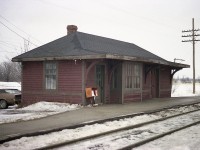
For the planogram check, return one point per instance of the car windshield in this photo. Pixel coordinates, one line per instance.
(13, 91)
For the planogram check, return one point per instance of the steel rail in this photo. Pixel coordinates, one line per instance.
(113, 131)
(142, 142)
(43, 132)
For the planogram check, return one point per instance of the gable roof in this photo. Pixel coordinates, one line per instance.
(79, 45)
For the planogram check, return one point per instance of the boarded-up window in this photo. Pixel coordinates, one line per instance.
(50, 75)
(132, 76)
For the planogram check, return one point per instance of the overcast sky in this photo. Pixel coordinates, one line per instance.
(155, 25)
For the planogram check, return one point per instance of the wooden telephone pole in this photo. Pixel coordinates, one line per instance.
(193, 35)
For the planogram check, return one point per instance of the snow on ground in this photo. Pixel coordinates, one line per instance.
(37, 110)
(50, 107)
(69, 134)
(43, 109)
(124, 138)
(187, 139)
(10, 85)
(184, 89)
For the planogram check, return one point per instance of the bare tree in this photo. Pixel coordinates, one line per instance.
(10, 71)
(198, 79)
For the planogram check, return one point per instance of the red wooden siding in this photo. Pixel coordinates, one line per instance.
(32, 81)
(32, 76)
(69, 83)
(132, 97)
(165, 82)
(115, 96)
(70, 80)
(146, 88)
(70, 76)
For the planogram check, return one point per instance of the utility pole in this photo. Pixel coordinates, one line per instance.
(193, 35)
(26, 45)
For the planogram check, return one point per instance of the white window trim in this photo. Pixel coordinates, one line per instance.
(52, 81)
(130, 76)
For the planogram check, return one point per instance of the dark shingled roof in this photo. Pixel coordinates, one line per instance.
(79, 45)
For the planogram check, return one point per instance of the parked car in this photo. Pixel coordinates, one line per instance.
(9, 97)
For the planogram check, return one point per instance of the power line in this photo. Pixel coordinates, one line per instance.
(193, 34)
(8, 51)
(19, 28)
(17, 34)
(7, 43)
(8, 47)
(126, 11)
(3, 50)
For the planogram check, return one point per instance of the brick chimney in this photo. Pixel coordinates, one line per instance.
(71, 29)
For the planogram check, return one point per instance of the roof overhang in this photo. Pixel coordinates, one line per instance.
(178, 65)
(105, 56)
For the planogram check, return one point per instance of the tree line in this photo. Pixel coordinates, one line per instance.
(10, 71)
(186, 80)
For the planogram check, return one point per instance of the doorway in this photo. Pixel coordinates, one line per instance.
(100, 80)
(155, 83)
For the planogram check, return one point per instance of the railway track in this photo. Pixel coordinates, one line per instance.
(132, 136)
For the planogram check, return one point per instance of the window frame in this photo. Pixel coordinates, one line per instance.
(132, 76)
(51, 73)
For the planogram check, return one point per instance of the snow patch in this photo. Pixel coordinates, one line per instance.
(187, 139)
(69, 134)
(10, 85)
(51, 106)
(37, 110)
(184, 89)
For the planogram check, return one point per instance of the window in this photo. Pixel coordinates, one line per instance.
(136, 76)
(50, 75)
(132, 76)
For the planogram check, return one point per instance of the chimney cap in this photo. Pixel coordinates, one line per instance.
(71, 29)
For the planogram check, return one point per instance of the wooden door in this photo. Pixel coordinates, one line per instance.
(100, 79)
(155, 83)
